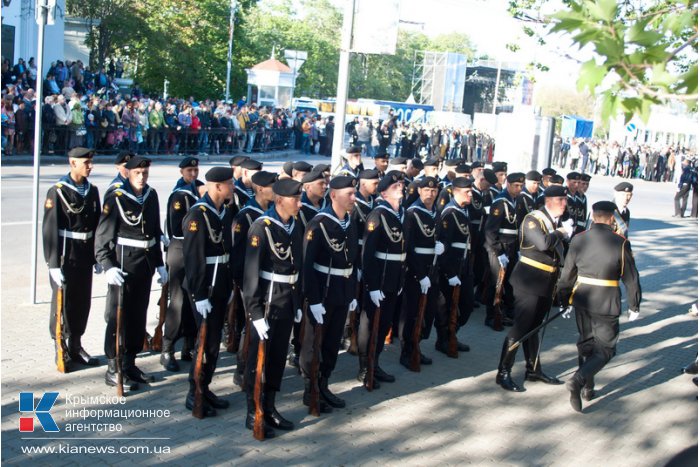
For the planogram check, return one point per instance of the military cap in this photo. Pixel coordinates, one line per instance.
(585, 178)
(287, 167)
(624, 186)
(302, 166)
(553, 191)
(381, 154)
(369, 174)
(263, 178)
(138, 161)
(287, 187)
(533, 175)
(312, 176)
(605, 206)
(452, 162)
(398, 161)
(189, 161)
(219, 174)
(417, 163)
(462, 182)
(477, 164)
(236, 161)
(427, 182)
(354, 149)
(123, 157)
(81, 153)
(343, 181)
(322, 167)
(549, 171)
(391, 177)
(499, 166)
(431, 163)
(556, 178)
(490, 176)
(516, 177)
(573, 176)
(251, 164)
(463, 169)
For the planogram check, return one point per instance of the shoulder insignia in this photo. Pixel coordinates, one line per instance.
(370, 226)
(310, 235)
(254, 241)
(444, 224)
(59, 185)
(119, 193)
(267, 221)
(531, 225)
(177, 205)
(193, 226)
(202, 208)
(442, 202)
(411, 190)
(496, 212)
(105, 209)
(449, 189)
(237, 228)
(48, 204)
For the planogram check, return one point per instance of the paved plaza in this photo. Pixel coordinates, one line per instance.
(451, 413)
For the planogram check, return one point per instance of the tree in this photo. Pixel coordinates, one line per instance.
(557, 101)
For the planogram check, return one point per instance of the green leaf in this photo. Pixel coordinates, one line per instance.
(608, 106)
(590, 76)
(609, 9)
(638, 35)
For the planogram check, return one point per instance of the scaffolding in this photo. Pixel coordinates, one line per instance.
(438, 79)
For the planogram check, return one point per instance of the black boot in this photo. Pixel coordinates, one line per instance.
(328, 396)
(134, 373)
(250, 418)
(574, 386)
(382, 375)
(167, 357)
(187, 348)
(323, 406)
(506, 365)
(112, 380)
(78, 354)
(67, 360)
(362, 374)
(533, 370)
(441, 343)
(691, 369)
(214, 400)
(272, 416)
(207, 409)
(406, 355)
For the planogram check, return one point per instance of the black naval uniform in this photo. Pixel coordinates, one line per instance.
(329, 278)
(533, 279)
(241, 194)
(581, 213)
(622, 222)
(208, 263)
(477, 220)
(346, 170)
(71, 214)
(524, 204)
(358, 217)
(128, 237)
(117, 182)
(596, 261)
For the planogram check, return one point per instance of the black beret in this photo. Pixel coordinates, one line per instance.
(556, 178)
(263, 178)
(516, 177)
(287, 167)
(391, 177)
(189, 161)
(431, 163)
(236, 161)
(624, 186)
(343, 181)
(462, 182)
(452, 162)
(81, 153)
(549, 171)
(553, 191)
(585, 178)
(417, 163)
(138, 161)
(427, 182)
(534, 176)
(251, 164)
(490, 176)
(312, 176)
(573, 176)
(302, 166)
(369, 174)
(381, 154)
(499, 166)
(219, 174)
(463, 169)
(398, 161)
(322, 167)
(123, 157)
(605, 206)
(287, 187)
(354, 149)
(476, 165)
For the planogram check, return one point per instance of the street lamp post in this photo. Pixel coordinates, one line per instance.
(230, 48)
(295, 59)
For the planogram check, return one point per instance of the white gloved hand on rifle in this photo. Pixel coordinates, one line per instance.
(454, 281)
(353, 305)
(115, 276)
(163, 275)
(165, 241)
(439, 248)
(503, 261)
(318, 311)
(297, 316)
(424, 285)
(203, 307)
(262, 328)
(376, 296)
(56, 275)
(632, 315)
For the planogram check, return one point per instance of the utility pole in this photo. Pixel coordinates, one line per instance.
(230, 49)
(342, 91)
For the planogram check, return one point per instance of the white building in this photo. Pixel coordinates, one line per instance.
(667, 125)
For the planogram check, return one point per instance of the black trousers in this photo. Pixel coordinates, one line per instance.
(409, 309)
(386, 315)
(77, 291)
(530, 310)
(179, 318)
(135, 292)
(600, 344)
(680, 201)
(215, 323)
(276, 346)
(466, 301)
(333, 324)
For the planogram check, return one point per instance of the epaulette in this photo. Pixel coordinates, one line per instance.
(267, 221)
(202, 208)
(59, 185)
(118, 192)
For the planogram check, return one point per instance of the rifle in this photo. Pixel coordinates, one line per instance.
(497, 300)
(118, 357)
(233, 338)
(157, 340)
(60, 356)
(258, 424)
(198, 407)
(352, 350)
(315, 403)
(417, 330)
(452, 325)
(374, 335)
(244, 355)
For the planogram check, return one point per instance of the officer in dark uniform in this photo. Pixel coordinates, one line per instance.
(623, 196)
(254, 208)
(541, 237)
(501, 243)
(582, 204)
(235, 163)
(313, 197)
(122, 172)
(527, 199)
(243, 187)
(127, 245)
(329, 283)
(383, 257)
(271, 294)
(208, 278)
(596, 262)
(381, 161)
(179, 320)
(501, 171)
(572, 205)
(422, 274)
(430, 169)
(547, 174)
(456, 269)
(353, 162)
(71, 213)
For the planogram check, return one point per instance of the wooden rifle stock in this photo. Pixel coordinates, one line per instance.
(417, 331)
(352, 350)
(60, 352)
(315, 403)
(371, 352)
(497, 300)
(232, 341)
(452, 324)
(120, 375)
(157, 341)
(244, 354)
(259, 425)
(198, 407)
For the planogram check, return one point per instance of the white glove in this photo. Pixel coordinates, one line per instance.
(567, 312)
(569, 227)
(359, 275)
(165, 241)
(163, 275)
(262, 328)
(376, 296)
(115, 276)
(353, 305)
(297, 316)
(203, 307)
(503, 261)
(230, 298)
(439, 248)
(56, 275)
(454, 281)
(425, 285)
(318, 311)
(632, 315)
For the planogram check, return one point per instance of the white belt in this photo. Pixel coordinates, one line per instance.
(176, 238)
(460, 245)
(75, 235)
(390, 256)
(217, 259)
(424, 251)
(477, 222)
(360, 241)
(136, 243)
(347, 272)
(508, 231)
(284, 278)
